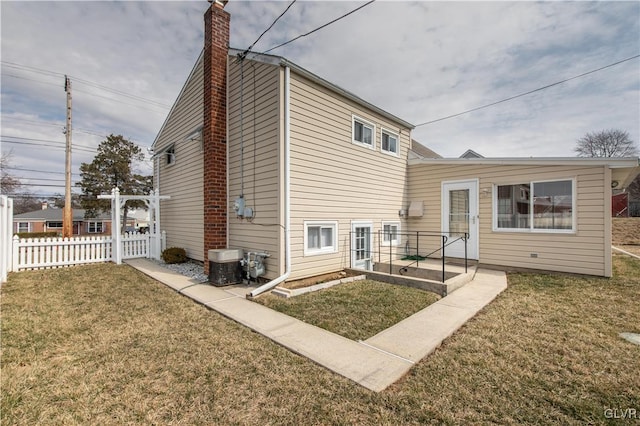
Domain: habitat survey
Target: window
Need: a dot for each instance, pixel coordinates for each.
(535, 206)
(363, 132)
(23, 227)
(389, 142)
(390, 231)
(94, 227)
(171, 155)
(54, 225)
(320, 237)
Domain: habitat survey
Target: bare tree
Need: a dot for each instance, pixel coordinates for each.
(8, 184)
(606, 143)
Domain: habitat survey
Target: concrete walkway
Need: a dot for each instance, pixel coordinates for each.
(375, 363)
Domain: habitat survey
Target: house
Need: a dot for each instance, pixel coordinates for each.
(259, 154)
(50, 220)
(471, 154)
(535, 213)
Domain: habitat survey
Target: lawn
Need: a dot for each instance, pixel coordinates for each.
(356, 310)
(104, 344)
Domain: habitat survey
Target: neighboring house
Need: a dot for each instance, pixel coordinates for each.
(471, 154)
(260, 154)
(50, 220)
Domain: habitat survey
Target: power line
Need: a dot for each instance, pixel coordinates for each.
(95, 94)
(244, 54)
(44, 142)
(320, 27)
(528, 93)
(35, 178)
(83, 81)
(36, 171)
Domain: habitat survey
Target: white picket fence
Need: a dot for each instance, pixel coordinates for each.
(44, 253)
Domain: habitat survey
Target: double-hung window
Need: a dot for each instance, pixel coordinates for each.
(543, 206)
(94, 227)
(320, 237)
(171, 155)
(363, 132)
(389, 142)
(390, 232)
(23, 227)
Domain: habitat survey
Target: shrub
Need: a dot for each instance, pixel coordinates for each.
(51, 234)
(174, 255)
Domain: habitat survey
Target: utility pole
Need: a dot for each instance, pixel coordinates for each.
(67, 214)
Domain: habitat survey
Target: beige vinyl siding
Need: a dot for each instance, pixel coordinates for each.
(182, 215)
(261, 103)
(333, 179)
(584, 251)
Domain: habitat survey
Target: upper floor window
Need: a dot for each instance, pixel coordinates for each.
(389, 142)
(171, 154)
(535, 206)
(363, 132)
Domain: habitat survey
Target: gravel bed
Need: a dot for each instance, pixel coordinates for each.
(189, 269)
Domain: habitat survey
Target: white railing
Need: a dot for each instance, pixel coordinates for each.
(42, 253)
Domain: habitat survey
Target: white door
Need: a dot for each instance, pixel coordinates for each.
(460, 216)
(361, 245)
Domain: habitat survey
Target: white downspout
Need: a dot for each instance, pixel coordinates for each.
(287, 188)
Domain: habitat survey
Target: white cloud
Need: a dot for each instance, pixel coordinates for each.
(418, 60)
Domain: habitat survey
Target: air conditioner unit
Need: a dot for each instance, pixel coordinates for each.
(224, 267)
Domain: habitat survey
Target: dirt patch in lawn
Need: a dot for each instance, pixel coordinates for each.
(318, 279)
(625, 231)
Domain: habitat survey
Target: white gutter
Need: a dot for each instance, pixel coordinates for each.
(287, 188)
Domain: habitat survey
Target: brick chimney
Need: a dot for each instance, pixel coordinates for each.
(214, 131)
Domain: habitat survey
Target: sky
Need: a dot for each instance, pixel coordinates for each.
(419, 60)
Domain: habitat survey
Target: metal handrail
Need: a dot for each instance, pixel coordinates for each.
(446, 240)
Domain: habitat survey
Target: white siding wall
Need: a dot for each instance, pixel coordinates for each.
(182, 215)
(258, 160)
(586, 252)
(333, 179)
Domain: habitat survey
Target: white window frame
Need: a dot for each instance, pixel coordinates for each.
(21, 223)
(365, 123)
(95, 223)
(49, 226)
(170, 155)
(322, 224)
(396, 240)
(394, 135)
(531, 229)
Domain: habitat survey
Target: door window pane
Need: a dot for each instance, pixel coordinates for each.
(458, 212)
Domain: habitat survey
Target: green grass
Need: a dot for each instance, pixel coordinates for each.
(356, 310)
(104, 344)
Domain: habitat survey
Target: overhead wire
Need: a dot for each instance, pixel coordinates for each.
(320, 27)
(15, 65)
(529, 92)
(244, 54)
